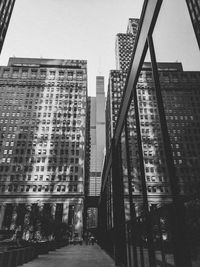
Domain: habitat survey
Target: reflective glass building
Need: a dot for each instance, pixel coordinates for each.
(151, 172)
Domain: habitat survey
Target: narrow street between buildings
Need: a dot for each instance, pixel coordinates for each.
(74, 256)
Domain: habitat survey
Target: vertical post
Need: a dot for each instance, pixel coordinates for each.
(78, 219)
(132, 206)
(53, 210)
(14, 217)
(26, 231)
(65, 212)
(181, 252)
(118, 208)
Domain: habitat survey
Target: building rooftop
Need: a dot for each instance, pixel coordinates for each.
(40, 62)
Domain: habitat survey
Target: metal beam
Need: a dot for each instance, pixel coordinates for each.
(147, 22)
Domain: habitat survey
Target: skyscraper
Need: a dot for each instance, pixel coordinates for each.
(124, 45)
(96, 117)
(42, 120)
(6, 8)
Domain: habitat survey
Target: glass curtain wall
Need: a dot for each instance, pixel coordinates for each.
(178, 68)
(154, 187)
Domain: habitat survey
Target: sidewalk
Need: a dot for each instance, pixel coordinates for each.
(74, 256)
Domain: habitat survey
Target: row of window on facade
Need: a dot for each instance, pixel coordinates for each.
(72, 110)
(43, 143)
(29, 104)
(31, 91)
(60, 129)
(35, 73)
(40, 188)
(49, 160)
(67, 97)
(52, 167)
(44, 121)
(159, 189)
(39, 177)
(163, 190)
(42, 86)
(16, 91)
(56, 114)
(34, 137)
(32, 99)
(173, 76)
(59, 116)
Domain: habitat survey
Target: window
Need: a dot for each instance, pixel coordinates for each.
(46, 188)
(24, 73)
(79, 75)
(34, 188)
(27, 188)
(6, 73)
(70, 75)
(61, 74)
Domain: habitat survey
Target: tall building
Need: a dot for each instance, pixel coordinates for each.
(124, 45)
(96, 111)
(97, 150)
(194, 10)
(42, 122)
(6, 8)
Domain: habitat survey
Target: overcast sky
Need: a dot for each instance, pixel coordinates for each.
(86, 29)
(69, 29)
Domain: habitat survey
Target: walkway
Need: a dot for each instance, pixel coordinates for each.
(74, 256)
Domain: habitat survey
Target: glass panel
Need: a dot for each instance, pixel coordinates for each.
(140, 232)
(178, 61)
(147, 240)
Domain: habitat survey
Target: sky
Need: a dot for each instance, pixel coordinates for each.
(86, 29)
(70, 29)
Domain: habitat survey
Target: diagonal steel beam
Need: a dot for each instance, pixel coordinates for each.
(147, 22)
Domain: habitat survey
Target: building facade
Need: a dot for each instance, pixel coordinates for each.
(43, 121)
(6, 8)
